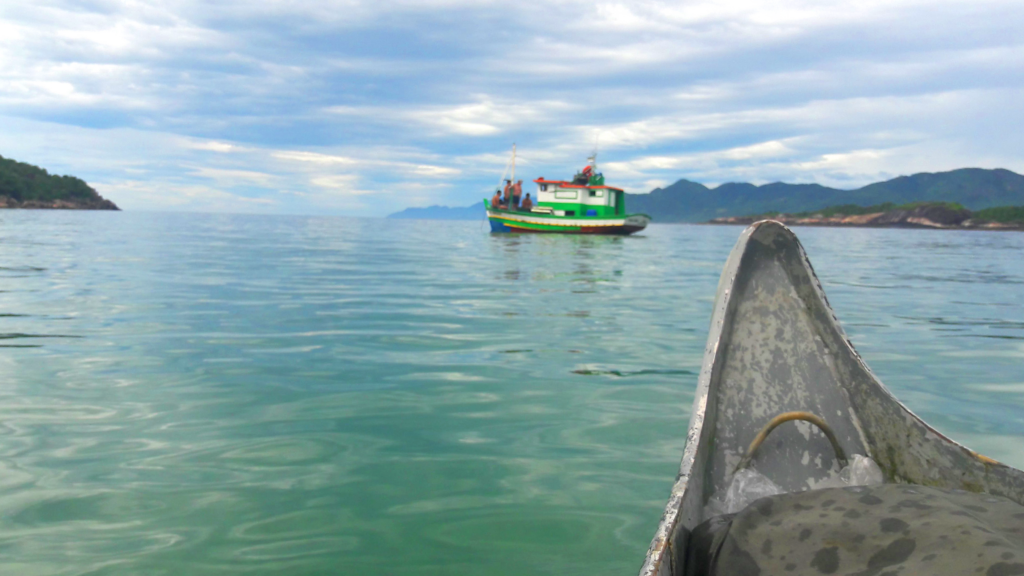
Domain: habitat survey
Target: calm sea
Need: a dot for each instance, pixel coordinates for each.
(208, 394)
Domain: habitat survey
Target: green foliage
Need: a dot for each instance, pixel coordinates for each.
(850, 210)
(1001, 214)
(947, 205)
(23, 182)
(854, 210)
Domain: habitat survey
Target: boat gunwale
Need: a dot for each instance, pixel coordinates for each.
(583, 219)
(569, 184)
(570, 221)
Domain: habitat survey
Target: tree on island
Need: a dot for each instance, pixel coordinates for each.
(26, 186)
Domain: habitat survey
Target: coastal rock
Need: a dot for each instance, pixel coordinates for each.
(939, 216)
(929, 216)
(986, 225)
(73, 204)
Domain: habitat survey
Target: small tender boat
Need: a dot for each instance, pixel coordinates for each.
(584, 205)
(775, 346)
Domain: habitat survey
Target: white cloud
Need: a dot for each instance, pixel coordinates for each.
(314, 157)
(305, 102)
(214, 146)
(149, 195)
(234, 176)
(368, 161)
(481, 116)
(342, 185)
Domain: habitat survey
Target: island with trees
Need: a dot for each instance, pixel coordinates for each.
(939, 215)
(26, 186)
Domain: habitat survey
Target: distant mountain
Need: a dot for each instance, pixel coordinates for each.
(26, 186)
(474, 212)
(686, 201)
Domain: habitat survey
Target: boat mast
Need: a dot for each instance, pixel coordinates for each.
(511, 163)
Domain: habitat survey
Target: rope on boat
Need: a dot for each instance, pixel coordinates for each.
(786, 417)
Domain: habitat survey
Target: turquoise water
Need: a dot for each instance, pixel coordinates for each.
(206, 394)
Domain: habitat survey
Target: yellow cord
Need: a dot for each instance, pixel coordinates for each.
(786, 417)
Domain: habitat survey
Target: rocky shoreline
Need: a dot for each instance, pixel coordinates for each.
(929, 217)
(74, 204)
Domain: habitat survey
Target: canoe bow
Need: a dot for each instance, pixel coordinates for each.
(775, 345)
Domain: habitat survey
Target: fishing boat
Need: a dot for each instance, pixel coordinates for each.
(584, 205)
(776, 352)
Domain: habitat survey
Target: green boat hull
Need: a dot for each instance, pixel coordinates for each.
(532, 222)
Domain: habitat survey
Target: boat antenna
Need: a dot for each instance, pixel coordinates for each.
(592, 159)
(512, 163)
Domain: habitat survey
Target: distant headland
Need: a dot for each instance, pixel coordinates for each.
(474, 212)
(26, 186)
(938, 215)
(974, 189)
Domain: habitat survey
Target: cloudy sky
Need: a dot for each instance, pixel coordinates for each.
(366, 107)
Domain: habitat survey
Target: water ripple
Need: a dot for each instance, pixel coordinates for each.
(257, 395)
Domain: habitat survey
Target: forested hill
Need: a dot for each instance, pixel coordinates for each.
(685, 201)
(26, 186)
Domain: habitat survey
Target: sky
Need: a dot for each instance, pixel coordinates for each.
(363, 108)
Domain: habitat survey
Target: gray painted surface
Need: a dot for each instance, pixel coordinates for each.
(875, 531)
(775, 345)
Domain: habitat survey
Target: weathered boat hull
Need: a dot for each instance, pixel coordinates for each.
(775, 346)
(529, 222)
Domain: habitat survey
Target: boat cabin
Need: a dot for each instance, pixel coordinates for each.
(562, 198)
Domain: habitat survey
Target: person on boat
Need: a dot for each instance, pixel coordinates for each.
(584, 176)
(508, 192)
(527, 203)
(517, 193)
(496, 200)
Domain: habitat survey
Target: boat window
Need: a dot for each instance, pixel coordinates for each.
(570, 212)
(543, 187)
(566, 194)
(597, 193)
